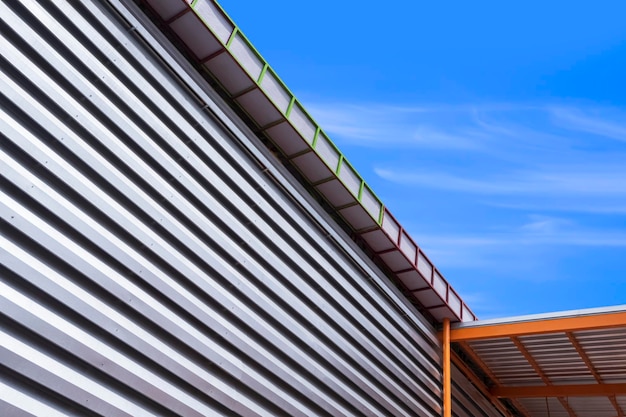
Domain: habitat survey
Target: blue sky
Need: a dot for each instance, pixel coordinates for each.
(494, 131)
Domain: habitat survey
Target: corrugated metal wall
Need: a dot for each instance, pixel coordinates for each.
(151, 265)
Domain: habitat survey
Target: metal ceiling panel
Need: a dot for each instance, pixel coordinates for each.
(607, 352)
(428, 298)
(286, 137)
(309, 164)
(412, 280)
(169, 9)
(441, 312)
(187, 26)
(357, 218)
(621, 400)
(229, 73)
(258, 106)
(336, 193)
(395, 260)
(592, 406)
(542, 407)
(377, 240)
(506, 362)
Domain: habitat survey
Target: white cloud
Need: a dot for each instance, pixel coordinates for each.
(486, 167)
(384, 126)
(523, 157)
(594, 121)
(540, 231)
(555, 180)
(522, 250)
(585, 206)
(515, 255)
(488, 127)
(540, 225)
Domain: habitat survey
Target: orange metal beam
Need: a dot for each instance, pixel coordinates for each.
(554, 325)
(567, 391)
(447, 394)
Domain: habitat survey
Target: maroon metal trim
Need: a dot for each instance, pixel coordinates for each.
(386, 251)
(365, 230)
(211, 56)
(438, 306)
(347, 205)
(325, 180)
(402, 271)
(293, 155)
(426, 289)
(178, 15)
(245, 91)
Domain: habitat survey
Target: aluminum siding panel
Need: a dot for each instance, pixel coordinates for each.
(151, 264)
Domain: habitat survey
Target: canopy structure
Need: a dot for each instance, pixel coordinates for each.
(570, 364)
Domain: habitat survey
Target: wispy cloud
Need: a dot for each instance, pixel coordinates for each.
(564, 231)
(379, 125)
(593, 121)
(515, 133)
(501, 190)
(467, 125)
(499, 150)
(539, 225)
(456, 243)
(528, 246)
(571, 180)
(592, 207)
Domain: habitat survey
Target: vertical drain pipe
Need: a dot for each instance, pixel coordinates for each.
(447, 394)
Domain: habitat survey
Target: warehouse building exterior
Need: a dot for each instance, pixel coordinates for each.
(180, 238)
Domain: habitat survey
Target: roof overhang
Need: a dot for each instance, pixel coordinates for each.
(218, 47)
(571, 363)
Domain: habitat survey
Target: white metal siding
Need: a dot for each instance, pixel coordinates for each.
(151, 265)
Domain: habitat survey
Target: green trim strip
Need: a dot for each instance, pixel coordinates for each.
(290, 106)
(262, 74)
(315, 137)
(231, 38)
(360, 196)
(193, 3)
(339, 164)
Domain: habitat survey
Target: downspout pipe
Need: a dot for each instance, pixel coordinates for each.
(447, 393)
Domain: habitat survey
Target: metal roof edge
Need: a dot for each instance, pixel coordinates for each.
(543, 316)
(221, 48)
